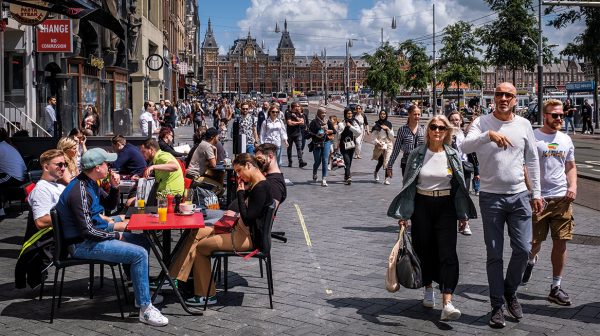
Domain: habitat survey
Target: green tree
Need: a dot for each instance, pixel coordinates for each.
(507, 38)
(586, 45)
(458, 63)
(384, 74)
(418, 75)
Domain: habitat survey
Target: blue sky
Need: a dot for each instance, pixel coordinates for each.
(318, 24)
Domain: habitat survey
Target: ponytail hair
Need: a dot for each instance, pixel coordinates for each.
(256, 161)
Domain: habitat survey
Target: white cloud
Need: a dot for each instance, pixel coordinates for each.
(318, 24)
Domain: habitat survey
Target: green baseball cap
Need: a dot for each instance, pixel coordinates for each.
(95, 156)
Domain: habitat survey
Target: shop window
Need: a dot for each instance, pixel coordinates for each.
(14, 73)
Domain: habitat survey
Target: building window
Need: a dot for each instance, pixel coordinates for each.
(14, 74)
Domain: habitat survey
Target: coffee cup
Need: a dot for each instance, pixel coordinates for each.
(187, 208)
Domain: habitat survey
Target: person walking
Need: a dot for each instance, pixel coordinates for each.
(434, 180)
(273, 131)
(383, 137)
(409, 136)
(322, 133)
(248, 127)
(295, 122)
(569, 111)
(455, 119)
(505, 145)
(586, 118)
(361, 118)
(559, 189)
(50, 115)
(349, 132)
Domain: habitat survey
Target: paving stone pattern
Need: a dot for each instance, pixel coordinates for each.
(335, 286)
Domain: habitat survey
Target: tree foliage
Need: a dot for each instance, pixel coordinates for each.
(384, 74)
(418, 75)
(587, 44)
(508, 38)
(458, 63)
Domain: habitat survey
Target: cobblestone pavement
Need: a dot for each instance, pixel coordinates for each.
(328, 278)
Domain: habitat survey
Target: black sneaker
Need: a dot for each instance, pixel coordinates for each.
(303, 164)
(514, 307)
(559, 296)
(528, 270)
(497, 318)
(314, 176)
(290, 164)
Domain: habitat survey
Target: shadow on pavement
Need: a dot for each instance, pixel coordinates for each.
(389, 228)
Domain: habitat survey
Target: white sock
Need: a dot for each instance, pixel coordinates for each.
(556, 281)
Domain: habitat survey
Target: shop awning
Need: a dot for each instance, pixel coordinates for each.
(80, 9)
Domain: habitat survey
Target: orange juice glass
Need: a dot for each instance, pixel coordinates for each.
(162, 211)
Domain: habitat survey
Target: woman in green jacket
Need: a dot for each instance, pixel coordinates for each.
(434, 180)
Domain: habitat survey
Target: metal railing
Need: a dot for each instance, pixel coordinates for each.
(17, 120)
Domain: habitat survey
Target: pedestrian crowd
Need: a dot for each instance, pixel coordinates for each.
(525, 181)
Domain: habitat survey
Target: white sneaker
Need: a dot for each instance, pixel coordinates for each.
(159, 299)
(376, 176)
(324, 183)
(466, 231)
(387, 181)
(428, 297)
(153, 317)
(449, 313)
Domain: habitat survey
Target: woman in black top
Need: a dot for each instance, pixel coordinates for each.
(165, 142)
(350, 131)
(254, 198)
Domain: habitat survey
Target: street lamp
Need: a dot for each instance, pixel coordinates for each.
(324, 54)
(348, 46)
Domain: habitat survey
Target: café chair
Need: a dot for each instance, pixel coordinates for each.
(263, 255)
(61, 260)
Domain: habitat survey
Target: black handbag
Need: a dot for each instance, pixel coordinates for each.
(408, 267)
(468, 167)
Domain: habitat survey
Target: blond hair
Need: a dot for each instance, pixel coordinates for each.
(449, 129)
(551, 103)
(64, 144)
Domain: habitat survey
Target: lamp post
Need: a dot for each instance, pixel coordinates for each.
(326, 75)
(348, 46)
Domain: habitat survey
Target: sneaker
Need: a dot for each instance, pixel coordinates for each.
(387, 181)
(303, 164)
(329, 167)
(324, 183)
(197, 301)
(476, 193)
(428, 297)
(528, 271)
(449, 313)
(467, 231)
(290, 164)
(497, 318)
(514, 307)
(376, 177)
(315, 177)
(348, 181)
(159, 299)
(559, 296)
(153, 317)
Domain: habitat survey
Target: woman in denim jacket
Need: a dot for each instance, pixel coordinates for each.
(434, 180)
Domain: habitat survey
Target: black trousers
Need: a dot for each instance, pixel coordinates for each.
(434, 240)
(347, 155)
(297, 140)
(587, 125)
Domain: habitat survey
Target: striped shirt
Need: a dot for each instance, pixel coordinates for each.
(406, 141)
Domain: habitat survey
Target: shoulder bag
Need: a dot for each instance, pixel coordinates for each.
(391, 279)
(408, 268)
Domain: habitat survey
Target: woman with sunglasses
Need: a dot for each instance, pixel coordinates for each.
(70, 147)
(434, 180)
(273, 131)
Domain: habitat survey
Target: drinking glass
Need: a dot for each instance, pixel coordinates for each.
(162, 211)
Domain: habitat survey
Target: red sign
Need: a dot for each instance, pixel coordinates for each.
(54, 36)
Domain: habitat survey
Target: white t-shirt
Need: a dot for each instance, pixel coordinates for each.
(436, 173)
(43, 197)
(554, 150)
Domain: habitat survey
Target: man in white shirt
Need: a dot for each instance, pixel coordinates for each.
(145, 117)
(559, 190)
(505, 146)
(47, 191)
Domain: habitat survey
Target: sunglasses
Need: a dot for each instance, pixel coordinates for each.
(274, 111)
(504, 94)
(557, 115)
(440, 128)
(61, 165)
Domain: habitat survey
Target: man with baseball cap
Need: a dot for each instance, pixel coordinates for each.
(89, 235)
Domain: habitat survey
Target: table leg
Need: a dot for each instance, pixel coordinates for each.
(165, 270)
(166, 246)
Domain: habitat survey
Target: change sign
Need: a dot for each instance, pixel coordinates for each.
(54, 36)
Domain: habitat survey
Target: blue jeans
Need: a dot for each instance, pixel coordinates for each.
(133, 249)
(515, 211)
(250, 148)
(321, 156)
(279, 156)
(569, 120)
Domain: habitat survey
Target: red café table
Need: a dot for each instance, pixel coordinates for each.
(148, 223)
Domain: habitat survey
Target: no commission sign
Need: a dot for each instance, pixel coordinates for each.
(54, 36)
